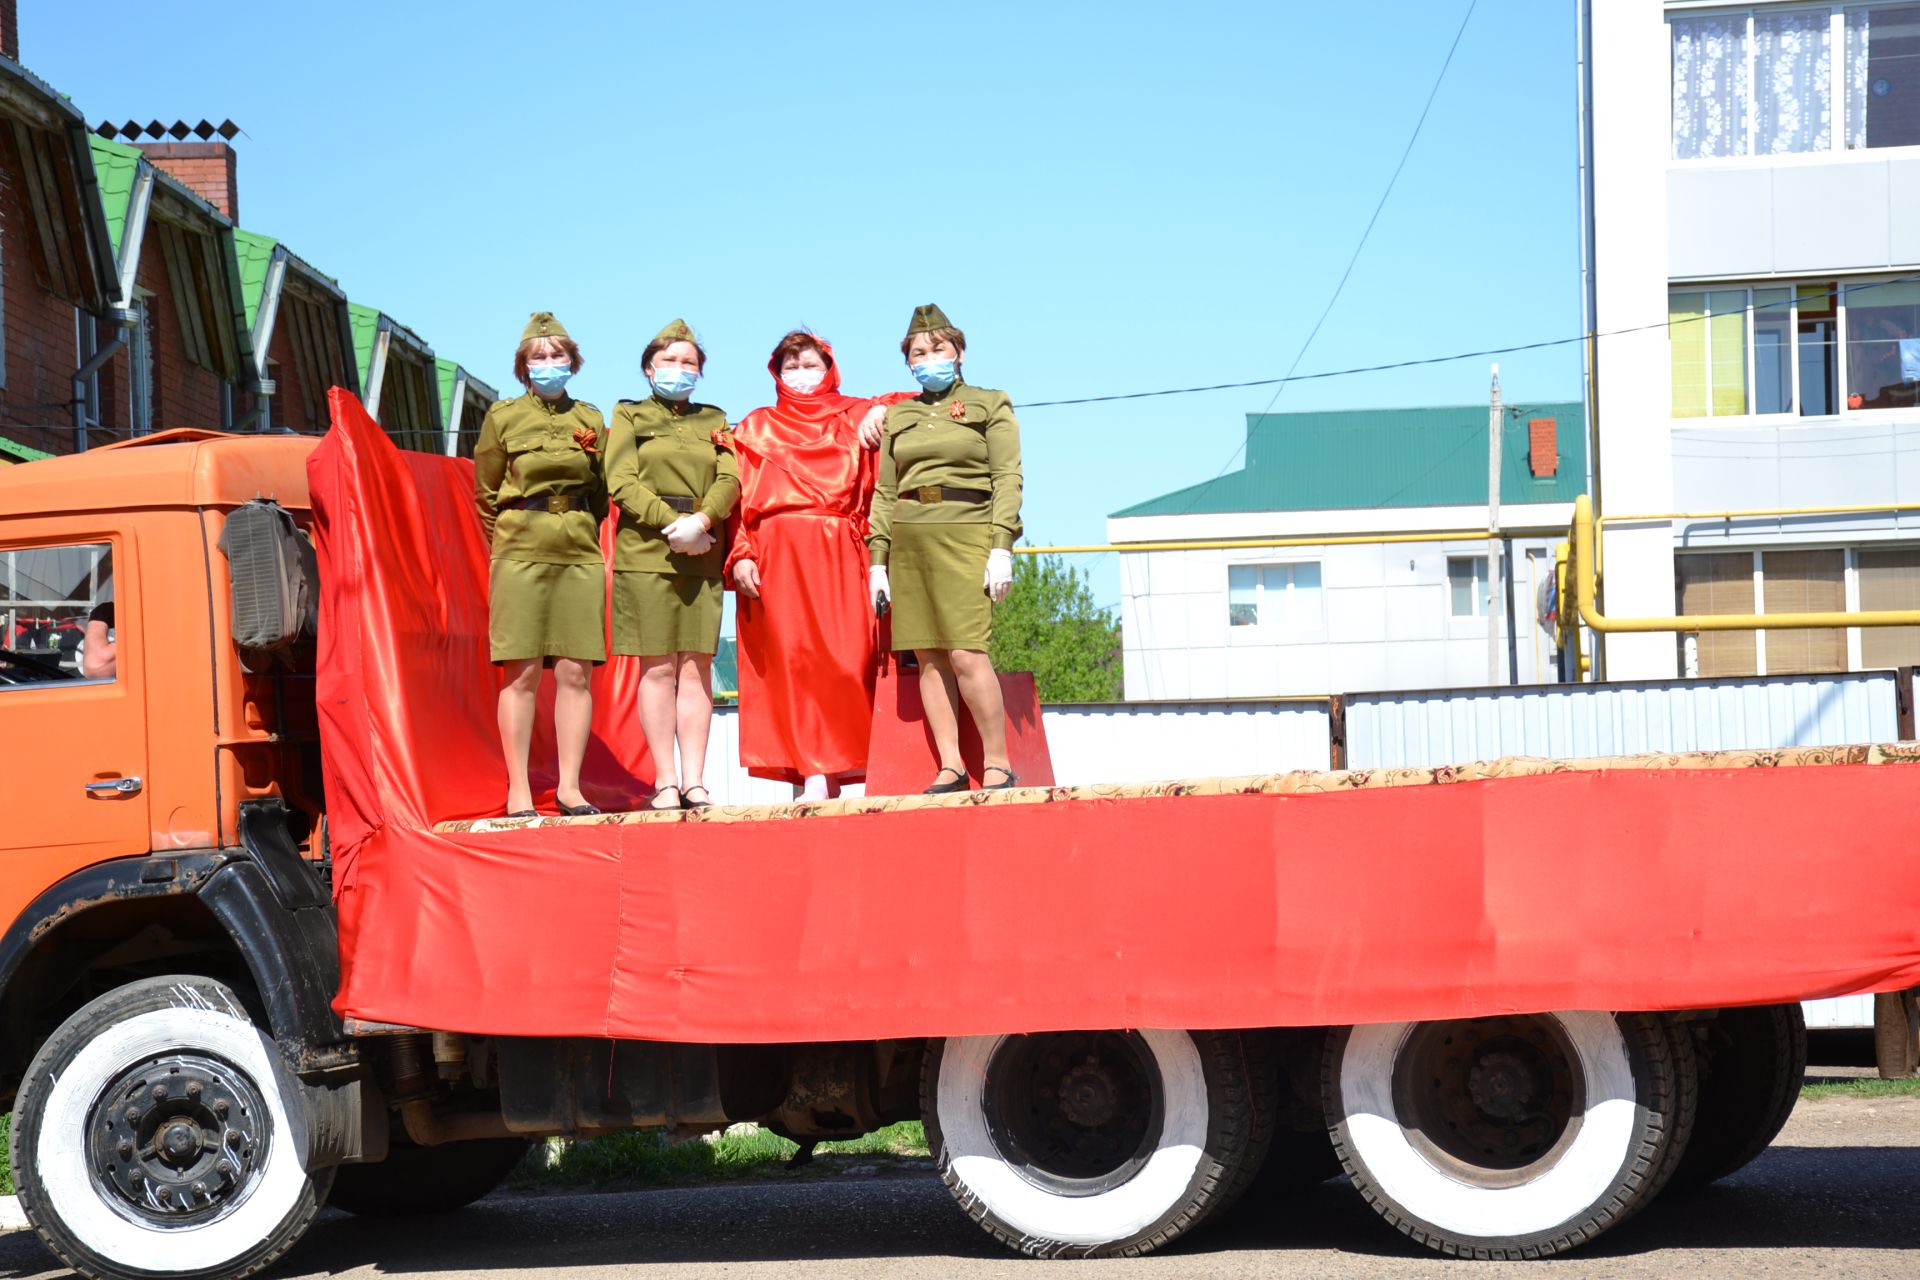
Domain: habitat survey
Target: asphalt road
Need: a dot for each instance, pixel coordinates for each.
(1834, 1197)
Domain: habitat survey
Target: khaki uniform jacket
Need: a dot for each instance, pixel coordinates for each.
(535, 448)
(965, 437)
(658, 449)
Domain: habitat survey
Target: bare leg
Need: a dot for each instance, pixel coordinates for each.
(656, 719)
(981, 688)
(694, 716)
(941, 700)
(572, 724)
(515, 713)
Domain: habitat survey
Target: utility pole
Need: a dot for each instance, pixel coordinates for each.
(1494, 635)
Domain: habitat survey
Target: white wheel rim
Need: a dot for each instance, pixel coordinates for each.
(60, 1154)
(1162, 1182)
(1570, 1188)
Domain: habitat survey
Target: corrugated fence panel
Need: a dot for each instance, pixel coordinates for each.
(1162, 741)
(1455, 726)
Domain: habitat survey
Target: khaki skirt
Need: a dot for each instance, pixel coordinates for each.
(547, 611)
(655, 614)
(936, 572)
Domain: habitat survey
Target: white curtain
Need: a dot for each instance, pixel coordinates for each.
(1793, 82)
(1856, 78)
(1709, 86)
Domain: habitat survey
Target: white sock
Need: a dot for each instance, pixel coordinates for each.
(852, 790)
(816, 788)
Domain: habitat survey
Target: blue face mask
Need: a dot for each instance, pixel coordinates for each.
(935, 375)
(549, 379)
(673, 384)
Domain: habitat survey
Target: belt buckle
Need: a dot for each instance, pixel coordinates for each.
(558, 504)
(929, 493)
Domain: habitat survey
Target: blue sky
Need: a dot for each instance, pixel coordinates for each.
(1108, 197)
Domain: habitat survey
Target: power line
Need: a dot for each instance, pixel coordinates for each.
(1791, 300)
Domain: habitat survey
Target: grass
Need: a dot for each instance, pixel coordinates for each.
(6, 1142)
(645, 1157)
(1864, 1088)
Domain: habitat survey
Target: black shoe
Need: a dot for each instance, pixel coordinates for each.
(578, 810)
(524, 813)
(1013, 779)
(688, 802)
(679, 801)
(940, 788)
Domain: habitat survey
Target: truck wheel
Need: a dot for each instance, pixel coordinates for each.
(151, 1138)
(1752, 1064)
(1507, 1137)
(416, 1180)
(1089, 1143)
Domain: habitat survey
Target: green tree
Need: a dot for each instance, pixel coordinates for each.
(1049, 625)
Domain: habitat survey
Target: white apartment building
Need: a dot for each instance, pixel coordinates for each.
(1754, 196)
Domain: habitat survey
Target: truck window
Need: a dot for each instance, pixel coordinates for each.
(56, 614)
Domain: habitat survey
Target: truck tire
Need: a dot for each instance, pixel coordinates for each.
(152, 1138)
(1507, 1137)
(1090, 1143)
(1753, 1062)
(419, 1180)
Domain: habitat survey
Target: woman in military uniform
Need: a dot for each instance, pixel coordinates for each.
(946, 513)
(538, 483)
(671, 473)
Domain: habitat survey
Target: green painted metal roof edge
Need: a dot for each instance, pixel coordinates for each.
(114, 166)
(449, 375)
(366, 326)
(1272, 470)
(24, 452)
(254, 253)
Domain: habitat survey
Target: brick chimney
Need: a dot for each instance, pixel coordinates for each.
(10, 29)
(205, 168)
(1543, 447)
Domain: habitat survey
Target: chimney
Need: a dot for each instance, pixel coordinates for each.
(205, 168)
(1543, 448)
(10, 29)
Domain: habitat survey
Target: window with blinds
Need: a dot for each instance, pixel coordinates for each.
(1805, 582)
(1719, 582)
(1889, 580)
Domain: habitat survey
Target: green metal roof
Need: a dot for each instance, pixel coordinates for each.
(255, 256)
(1350, 459)
(114, 167)
(14, 451)
(366, 326)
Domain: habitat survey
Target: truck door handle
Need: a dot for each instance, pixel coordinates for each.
(118, 787)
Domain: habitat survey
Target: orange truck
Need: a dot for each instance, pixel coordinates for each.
(185, 1097)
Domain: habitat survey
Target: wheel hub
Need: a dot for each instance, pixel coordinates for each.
(1076, 1113)
(178, 1139)
(1494, 1100)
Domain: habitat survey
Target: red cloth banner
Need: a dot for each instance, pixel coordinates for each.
(1642, 888)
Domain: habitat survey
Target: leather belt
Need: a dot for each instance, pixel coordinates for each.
(685, 506)
(944, 493)
(553, 503)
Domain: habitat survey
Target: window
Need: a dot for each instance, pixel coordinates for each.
(1274, 595)
(1776, 349)
(1764, 81)
(1796, 581)
(1883, 346)
(48, 595)
(1889, 580)
(1467, 586)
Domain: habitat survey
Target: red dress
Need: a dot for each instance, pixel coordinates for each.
(807, 646)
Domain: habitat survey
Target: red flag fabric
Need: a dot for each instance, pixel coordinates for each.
(806, 646)
(1309, 900)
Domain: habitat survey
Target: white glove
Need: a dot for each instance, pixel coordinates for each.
(877, 589)
(689, 536)
(999, 579)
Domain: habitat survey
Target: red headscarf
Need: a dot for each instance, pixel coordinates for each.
(813, 438)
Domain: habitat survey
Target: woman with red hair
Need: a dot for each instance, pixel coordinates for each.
(799, 564)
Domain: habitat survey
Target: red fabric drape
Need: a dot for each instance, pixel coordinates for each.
(1622, 889)
(807, 652)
